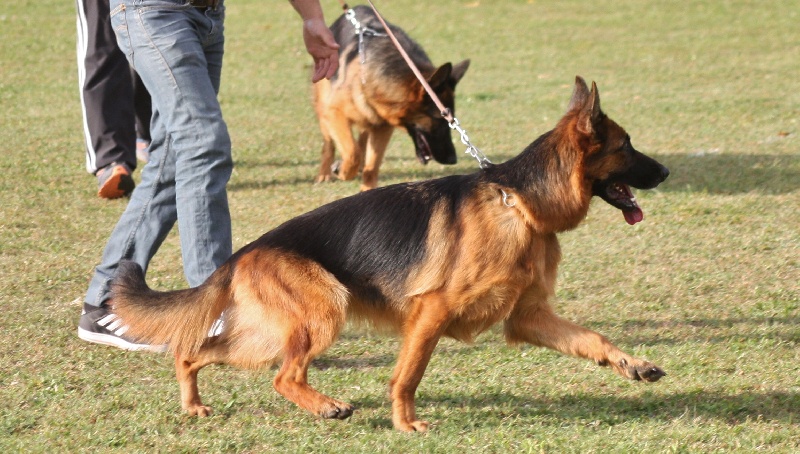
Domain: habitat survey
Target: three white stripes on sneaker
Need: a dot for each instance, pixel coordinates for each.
(113, 323)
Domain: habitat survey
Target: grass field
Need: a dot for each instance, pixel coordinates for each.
(708, 286)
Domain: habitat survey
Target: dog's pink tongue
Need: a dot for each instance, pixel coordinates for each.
(633, 216)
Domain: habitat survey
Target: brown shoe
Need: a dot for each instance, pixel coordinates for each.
(114, 181)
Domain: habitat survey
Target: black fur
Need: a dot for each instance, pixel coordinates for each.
(373, 236)
(379, 49)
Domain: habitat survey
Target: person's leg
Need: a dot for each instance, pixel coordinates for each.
(191, 162)
(147, 220)
(181, 65)
(106, 90)
(204, 163)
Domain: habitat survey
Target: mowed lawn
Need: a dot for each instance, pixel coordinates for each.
(707, 287)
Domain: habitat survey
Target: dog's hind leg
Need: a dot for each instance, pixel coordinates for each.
(421, 332)
(375, 149)
(534, 322)
(215, 350)
(292, 378)
(307, 305)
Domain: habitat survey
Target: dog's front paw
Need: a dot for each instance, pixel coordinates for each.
(649, 373)
(640, 370)
(337, 410)
(201, 411)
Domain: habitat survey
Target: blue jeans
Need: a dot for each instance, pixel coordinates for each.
(177, 50)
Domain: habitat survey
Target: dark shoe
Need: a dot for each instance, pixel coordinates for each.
(114, 181)
(100, 326)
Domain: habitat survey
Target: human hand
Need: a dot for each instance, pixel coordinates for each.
(323, 48)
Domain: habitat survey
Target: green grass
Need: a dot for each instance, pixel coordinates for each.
(708, 286)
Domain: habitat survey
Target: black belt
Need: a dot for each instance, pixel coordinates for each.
(205, 3)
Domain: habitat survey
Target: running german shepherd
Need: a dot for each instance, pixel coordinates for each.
(444, 257)
(376, 92)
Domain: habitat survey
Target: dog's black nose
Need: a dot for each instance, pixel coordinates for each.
(664, 173)
(449, 159)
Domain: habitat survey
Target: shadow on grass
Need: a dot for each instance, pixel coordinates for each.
(631, 332)
(275, 161)
(360, 362)
(250, 184)
(732, 173)
(671, 332)
(709, 173)
(414, 172)
(493, 408)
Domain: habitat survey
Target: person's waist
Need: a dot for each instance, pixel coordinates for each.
(213, 4)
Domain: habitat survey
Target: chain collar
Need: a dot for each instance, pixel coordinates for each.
(361, 31)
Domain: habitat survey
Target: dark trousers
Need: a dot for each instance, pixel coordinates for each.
(116, 107)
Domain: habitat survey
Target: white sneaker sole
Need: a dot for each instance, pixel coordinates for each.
(114, 341)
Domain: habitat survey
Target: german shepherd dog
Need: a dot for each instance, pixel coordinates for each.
(375, 92)
(444, 257)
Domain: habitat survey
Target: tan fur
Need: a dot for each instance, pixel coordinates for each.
(494, 261)
(361, 107)
(373, 108)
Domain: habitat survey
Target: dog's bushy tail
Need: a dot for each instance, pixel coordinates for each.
(180, 319)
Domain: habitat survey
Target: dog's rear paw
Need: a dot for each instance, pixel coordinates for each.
(201, 411)
(337, 410)
(323, 178)
(412, 426)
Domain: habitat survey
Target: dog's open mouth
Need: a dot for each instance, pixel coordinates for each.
(620, 196)
(424, 153)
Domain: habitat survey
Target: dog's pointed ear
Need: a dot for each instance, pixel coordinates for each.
(579, 94)
(590, 112)
(439, 77)
(594, 96)
(458, 71)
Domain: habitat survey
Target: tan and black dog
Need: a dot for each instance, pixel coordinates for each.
(379, 95)
(444, 257)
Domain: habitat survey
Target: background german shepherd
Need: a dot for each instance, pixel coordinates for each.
(378, 96)
(444, 257)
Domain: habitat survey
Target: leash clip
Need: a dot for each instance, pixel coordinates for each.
(505, 199)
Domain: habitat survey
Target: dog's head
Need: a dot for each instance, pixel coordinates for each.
(612, 166)
(426, 126)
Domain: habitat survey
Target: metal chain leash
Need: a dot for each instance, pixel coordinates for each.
(472, 150)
